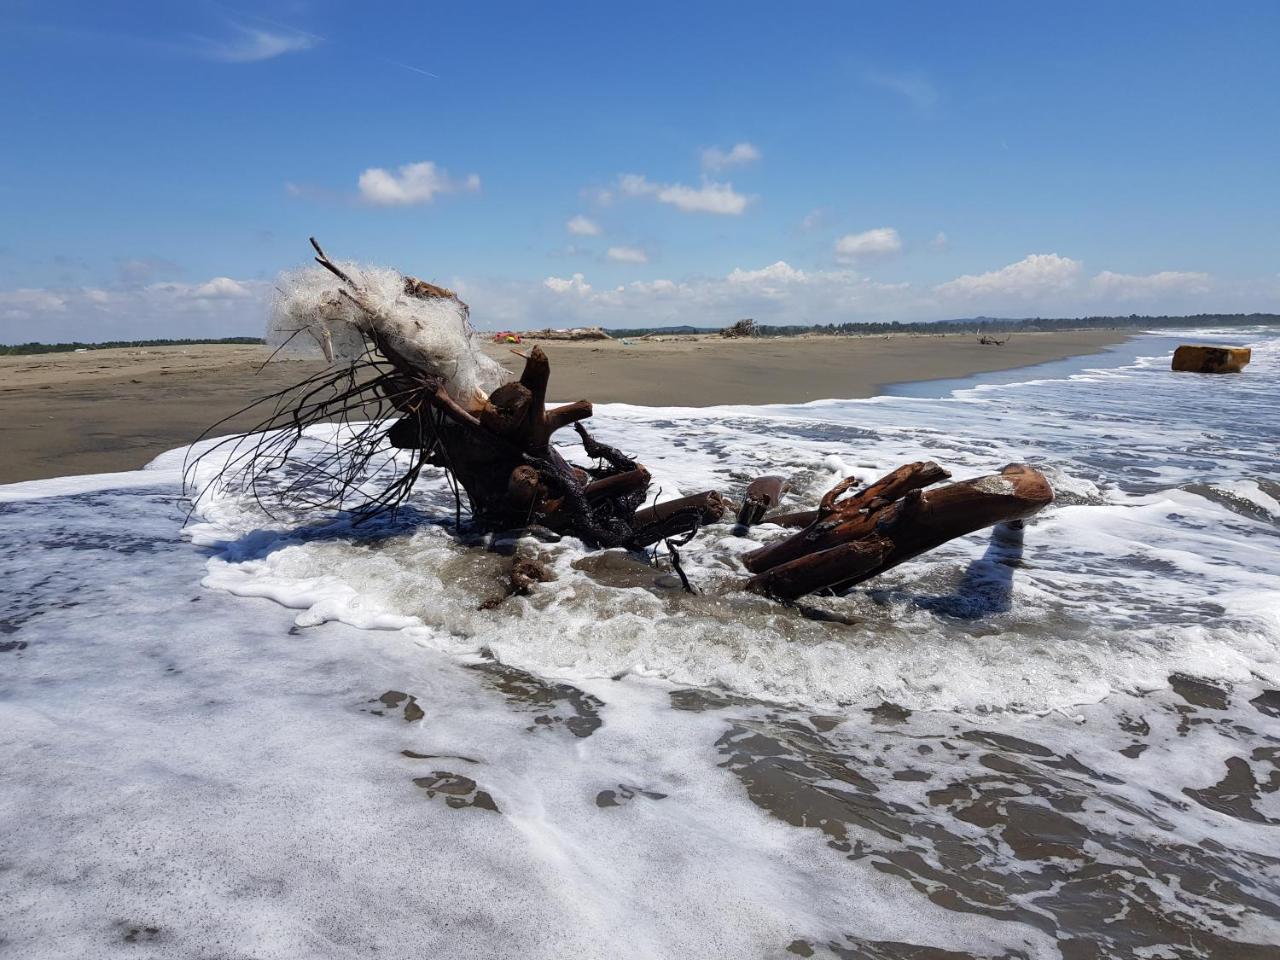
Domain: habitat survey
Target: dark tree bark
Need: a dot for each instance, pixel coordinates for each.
(890, 522)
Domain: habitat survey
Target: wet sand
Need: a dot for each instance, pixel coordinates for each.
(109, 410)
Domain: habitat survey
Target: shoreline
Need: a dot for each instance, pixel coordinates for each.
(111, 410)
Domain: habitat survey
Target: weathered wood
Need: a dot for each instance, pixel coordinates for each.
(837, 521)
(1198, 358)
(908, 477)
(762, 495)
(890, 533)
(815, 571)
(674, 517)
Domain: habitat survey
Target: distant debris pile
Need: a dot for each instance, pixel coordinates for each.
(568, 333)
(743, 328)
(1195, 358)
(989, 341)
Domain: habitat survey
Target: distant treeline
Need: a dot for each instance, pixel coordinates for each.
(22, 348)
(986, 325)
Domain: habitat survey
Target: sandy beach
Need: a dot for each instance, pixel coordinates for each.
(108, 410)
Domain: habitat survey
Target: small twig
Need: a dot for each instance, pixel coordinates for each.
(324, 261)
(675, 565)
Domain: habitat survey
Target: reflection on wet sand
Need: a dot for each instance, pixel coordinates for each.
(986, 822)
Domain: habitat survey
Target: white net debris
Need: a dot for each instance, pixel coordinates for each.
(433, 335)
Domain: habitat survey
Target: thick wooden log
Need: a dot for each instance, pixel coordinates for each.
(900, 530)
(797, 519)
(565, 415)
(674, 517)
(507, 410)
(1198, 358)
(838, 521)
(816, 570)
(617, 484)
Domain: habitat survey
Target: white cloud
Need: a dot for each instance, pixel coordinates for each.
(1029, 278)
(580, 226)
(776, 293)
(218, 307)
(1127, 286)
(880, 242)
(780, 272)
(575, 284)
(711, 197)
(781, 293)
(715, 159)
(252, 44)
(940, 241)
(220, 288)
(628, 255)
(411, 184)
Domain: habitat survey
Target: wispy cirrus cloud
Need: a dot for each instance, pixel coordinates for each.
(915, 88)
(250, 44)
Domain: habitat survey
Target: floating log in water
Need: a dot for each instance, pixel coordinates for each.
(1196, 358)
(890, 522)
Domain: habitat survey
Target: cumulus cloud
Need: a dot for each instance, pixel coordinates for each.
(880, 242)
(627, 255)
(940, 241)
(252, 44)
(715, 159)
(711, 197)
(218, 307)
(581, 226)
(775, 273)
(413, 183)
(775, 293)
(1031, 277)
(1128, 286)
(576, 284)
(222, 288)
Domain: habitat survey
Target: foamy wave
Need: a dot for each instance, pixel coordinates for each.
(1134, 573)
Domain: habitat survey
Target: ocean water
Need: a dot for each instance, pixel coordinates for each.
(238, 736)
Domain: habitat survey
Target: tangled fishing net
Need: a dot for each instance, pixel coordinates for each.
(426, 326)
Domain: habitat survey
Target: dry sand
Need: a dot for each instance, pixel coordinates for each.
(108, 410)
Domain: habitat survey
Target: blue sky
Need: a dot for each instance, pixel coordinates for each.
(628, 164)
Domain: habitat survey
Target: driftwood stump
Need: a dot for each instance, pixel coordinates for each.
(845, 542)
(497, 451)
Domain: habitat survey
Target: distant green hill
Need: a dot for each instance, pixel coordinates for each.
(24, 348)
